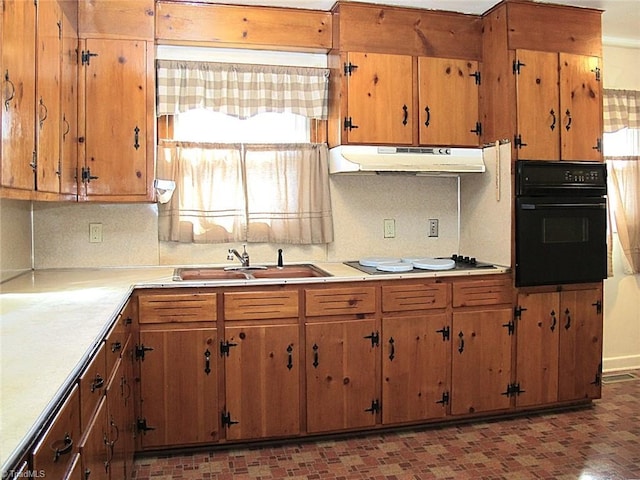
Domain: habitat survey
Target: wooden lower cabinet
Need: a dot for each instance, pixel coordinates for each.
(416, 366)
(341, 374)
(262, 381)
(559, 346)
(481, 360)
(96, 447)
(178, 385)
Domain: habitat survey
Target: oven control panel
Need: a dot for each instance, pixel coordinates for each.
(534, 177)
(582, 176)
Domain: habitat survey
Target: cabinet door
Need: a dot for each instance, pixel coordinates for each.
(481, 361)
(69, 99)
(537, 337)
(115, 118)
(538, 105)
(48, 96)
(581, 107)
(580, 344)
(18, 94)
(416, 361)
(448, 99)
(95, 446)
(340, 372)
(379, 98)
(179, 386)
(262, 381)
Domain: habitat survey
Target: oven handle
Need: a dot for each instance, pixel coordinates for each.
(542, 206)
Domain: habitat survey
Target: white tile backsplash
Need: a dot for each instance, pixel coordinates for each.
(15, 237)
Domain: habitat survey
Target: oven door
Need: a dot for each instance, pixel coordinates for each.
(560, 240)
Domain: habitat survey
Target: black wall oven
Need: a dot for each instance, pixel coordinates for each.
(560, 222)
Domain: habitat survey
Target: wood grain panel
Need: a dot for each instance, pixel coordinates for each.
(399, 298)
(92, 386)
(340, 301)
(177, 308)
(481, 292)
(260, 305)
(238, 26)
(554, 28)
(116, 19)
(384, 29)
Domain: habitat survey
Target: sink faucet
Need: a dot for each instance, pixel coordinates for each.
(244, 258)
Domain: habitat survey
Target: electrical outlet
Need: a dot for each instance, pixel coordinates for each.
(95, 233)
(433, 227)
(389, 228)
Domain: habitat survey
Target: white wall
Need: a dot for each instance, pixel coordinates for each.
(621, 71)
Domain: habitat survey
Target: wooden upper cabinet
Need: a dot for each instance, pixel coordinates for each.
(48, 97)
(581, 107)
(559, 106)
(118, 142)
(18, 95)
(448, 102)
(69, 106)
(379, 95)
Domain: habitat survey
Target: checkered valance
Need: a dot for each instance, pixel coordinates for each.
(621, 108)
(241, 90)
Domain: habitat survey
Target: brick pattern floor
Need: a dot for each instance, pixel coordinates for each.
(602, 442)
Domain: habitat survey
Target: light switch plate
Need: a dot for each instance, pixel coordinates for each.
(95, 233)
(389, 228)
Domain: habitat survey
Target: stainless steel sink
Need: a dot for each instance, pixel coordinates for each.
(248, 273)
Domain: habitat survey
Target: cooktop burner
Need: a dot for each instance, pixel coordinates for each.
(460, 263)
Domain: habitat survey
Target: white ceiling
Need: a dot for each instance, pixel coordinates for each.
(620, 21)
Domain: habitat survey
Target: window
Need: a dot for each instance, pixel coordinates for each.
(237, 144)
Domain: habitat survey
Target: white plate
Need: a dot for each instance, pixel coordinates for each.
(375, 261)
(435, 264)
(395, 267)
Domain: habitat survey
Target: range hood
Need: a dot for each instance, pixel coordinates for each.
(417, 160)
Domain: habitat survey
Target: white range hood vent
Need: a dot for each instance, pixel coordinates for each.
(351, 159)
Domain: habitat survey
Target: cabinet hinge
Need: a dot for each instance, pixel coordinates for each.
(349, 68)
(478, 129)
(446, 333)
(477, 77)
(374, 337)
(141, 350)
(375, 407)
(86, 175)
(225, 347)
(348, 124)
(596, 71)
(517, 64)
(598, 305)
(597, 381)
(517, 312)
(510, 327)
(445, 399)
(513, 389)
(86, 57)
(225, 418)
(598, 145)
(141, 425)
(517, 140)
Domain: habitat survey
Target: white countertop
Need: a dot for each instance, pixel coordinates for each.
(52, 320)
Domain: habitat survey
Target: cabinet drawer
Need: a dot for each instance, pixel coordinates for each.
(482, 292)
(57, 448)
(399, 298)
(117, 338)
(92, 385)
(340, 301)
(260, 305)
(177, 308)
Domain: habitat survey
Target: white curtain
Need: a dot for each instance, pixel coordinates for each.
(622, 110)
(254, 193)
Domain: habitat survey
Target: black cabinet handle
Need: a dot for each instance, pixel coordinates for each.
(13, 91)
(553, 123)
(406, 115)
(567, 326)
(392, 353)
(67, 446)
(554, 320)
(461, 342)
(568, 113)
(428, 119)
(315, 356)
(98, 382)
(290, 357)
(207, 362)
(44, 112)
(136, 138)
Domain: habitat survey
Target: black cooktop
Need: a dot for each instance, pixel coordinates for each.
(461, 263)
